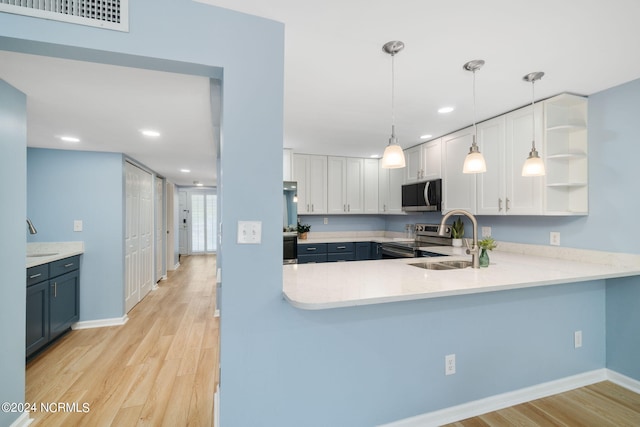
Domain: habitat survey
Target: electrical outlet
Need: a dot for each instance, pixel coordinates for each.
(486, 231)
(77, 225)
(554, 238)
(577, 339)
(326, 221)
(450, 364)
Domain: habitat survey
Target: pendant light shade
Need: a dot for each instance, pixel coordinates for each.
(474, 162)
(533, 166)
(393, 157)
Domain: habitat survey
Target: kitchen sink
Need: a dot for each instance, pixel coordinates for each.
(41, 254)
(443, 265)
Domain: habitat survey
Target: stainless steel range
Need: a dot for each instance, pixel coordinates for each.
(426, 235)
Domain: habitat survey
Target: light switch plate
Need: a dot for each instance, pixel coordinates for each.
(77, 225)
(249, 232)
(486, 231)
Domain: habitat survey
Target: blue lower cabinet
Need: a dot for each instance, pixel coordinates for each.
(64, 302)
(363, 251)
(312, 253)
(53, 301)
(331, 252)
(341, 251)
(37, 326)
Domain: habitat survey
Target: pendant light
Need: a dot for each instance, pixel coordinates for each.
(474, 162)
(393, 157)
(533, 166)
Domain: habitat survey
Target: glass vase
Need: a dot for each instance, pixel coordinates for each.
(484, 258)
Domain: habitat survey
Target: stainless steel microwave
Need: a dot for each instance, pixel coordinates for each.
(422, 196)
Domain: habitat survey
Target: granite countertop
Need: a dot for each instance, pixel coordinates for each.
(45, 252)
(345, 284)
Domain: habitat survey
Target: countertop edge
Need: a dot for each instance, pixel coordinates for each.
(303, 305)
(63, 250)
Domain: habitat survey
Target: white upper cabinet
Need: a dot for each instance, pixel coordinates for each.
(566, 156)
(458, 189)
(371, 186)
(310, 172)
(505, 142)
(561, 140)
(523, 194)
(423, 161)
(390, 190)
(345, 185)
(287, 164)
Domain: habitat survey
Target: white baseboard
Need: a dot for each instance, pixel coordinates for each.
(100, 323)
(623, 381)
(22, 421)
(216, 407)
(505, 400)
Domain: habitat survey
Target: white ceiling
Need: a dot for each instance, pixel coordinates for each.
(338, 80)
(106, 106)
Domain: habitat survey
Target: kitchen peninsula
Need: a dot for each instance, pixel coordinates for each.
(514, 266)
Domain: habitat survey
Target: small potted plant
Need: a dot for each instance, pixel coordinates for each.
(486, 244)
(303, 229)
(457, 232)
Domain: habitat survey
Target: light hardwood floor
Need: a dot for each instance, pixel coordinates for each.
(599, 405)
(159, 369)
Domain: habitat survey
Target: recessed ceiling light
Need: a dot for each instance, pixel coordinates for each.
(70, 139)
(427, 136)
(445, 110)
(150, 133)
(185, 170)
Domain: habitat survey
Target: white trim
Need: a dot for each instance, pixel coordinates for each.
(501, 401)
(623, 381)
(216, 313)
(216, 407)
(22, 421)
(100, 323)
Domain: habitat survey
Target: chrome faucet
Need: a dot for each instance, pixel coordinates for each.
(474, 250)
(32, 229)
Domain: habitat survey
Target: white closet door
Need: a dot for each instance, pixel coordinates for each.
(138, 235)
(159, 228)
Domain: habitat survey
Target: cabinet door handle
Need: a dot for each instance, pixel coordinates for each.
(344, 208)
(35, 275)
(68, 265)
(348, 208)
(311, 249)
(499, 205)
(307, 207)
(312, 209)
(508, 207)
(55, 289)
(341, 247)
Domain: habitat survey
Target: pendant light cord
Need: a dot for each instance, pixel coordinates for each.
(475, 128)
(393, 105)
(533, 115)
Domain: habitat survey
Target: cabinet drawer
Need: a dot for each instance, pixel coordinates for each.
(303, 259)
(65, 265)
(37, 274)
(343, 256)
(340, 247)
(308, 249)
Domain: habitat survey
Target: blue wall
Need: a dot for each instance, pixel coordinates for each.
(65, 185)
(13, 185)
(204, 39)
(356, 366)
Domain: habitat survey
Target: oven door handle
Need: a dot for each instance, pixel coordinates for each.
(397, 253)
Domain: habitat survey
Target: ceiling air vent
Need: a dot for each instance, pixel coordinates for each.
(111, 14)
